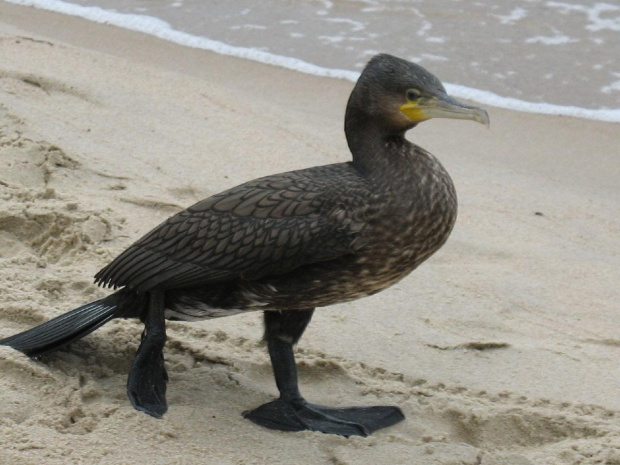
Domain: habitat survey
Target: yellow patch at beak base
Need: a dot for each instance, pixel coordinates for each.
(413, 111)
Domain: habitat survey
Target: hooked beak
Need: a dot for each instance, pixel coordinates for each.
(443, 106)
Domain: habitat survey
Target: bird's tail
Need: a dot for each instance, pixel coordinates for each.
(73, 325)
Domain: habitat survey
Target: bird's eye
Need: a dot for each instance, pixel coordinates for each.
(413, 94)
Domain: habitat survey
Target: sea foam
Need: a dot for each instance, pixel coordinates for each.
(161, 29)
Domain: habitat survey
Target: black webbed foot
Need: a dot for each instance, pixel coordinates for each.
(301, 416)
(291, 412)
(146, 385)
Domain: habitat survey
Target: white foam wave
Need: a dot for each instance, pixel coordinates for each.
(511, 18)
(555, 40)
(613, 87)
(355, 25)
(600, 15)
(158, 28)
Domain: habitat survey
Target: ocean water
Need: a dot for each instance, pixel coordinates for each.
(555, 57)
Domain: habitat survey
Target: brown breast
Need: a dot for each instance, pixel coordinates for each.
(412, 216)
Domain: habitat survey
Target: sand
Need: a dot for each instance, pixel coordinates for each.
(502, 349)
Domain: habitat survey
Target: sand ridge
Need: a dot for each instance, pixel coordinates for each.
(96, 149)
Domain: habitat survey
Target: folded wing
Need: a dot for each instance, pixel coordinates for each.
(268, 226)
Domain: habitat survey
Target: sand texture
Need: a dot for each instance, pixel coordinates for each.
(503, 349)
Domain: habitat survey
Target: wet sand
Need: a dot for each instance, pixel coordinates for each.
(501, 349)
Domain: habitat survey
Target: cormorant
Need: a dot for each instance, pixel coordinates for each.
(286, 244)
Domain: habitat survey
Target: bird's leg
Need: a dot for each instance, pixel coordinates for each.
(146, 385)
(291, 412)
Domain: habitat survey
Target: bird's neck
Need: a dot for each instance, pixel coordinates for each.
(373, 145)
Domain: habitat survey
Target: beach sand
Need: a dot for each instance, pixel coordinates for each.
(502, 349)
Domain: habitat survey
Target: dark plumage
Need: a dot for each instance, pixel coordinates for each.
(286, 244)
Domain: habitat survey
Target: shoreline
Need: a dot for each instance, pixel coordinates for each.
(157, 28)
(502, 345)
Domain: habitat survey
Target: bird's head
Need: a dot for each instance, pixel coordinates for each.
(402, 94)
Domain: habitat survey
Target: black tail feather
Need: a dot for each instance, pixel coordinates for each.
(64, 329)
